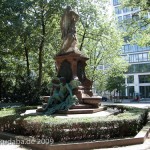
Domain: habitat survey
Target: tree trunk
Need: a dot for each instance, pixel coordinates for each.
(41, 46)
(27, 58)
(26, 55)
(40, 64)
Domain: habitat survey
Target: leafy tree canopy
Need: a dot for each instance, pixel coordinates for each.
(100, 40)
(30, 38)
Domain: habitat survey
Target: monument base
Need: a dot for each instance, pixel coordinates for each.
(86, 106)
(71, 66)
(81, 111)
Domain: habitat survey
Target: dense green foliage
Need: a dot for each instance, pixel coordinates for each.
(116, 79)
(126, 123)
(101, 41)
(28, 30)
(30, 38)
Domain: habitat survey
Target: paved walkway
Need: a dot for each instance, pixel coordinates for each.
(144, 146)
(128, 103)
(97, 114)
(13, 147)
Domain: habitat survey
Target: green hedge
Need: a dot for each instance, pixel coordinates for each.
(9, 116)
(63, 130)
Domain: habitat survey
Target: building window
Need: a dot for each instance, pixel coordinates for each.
(138, 57)
(137, 68)
(145, 91)
(145, 56)
(126, 17)
(117, 10)
(126, 48)
(116, 2)
(144, 78)
(130, 90)
(135, 9)
(133, 48)
(130, 79)
(126, 9)
(120, 18)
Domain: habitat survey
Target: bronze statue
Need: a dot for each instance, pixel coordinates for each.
(62, 97)
(60, 92)
(68, 29)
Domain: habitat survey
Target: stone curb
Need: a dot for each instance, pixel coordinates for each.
(138, 139)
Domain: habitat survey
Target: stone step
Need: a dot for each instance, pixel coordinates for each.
(94, 101)
(81, 111)
(81, 106)
(93, 97)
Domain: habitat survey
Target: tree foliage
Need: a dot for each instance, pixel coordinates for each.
(100, 40)
(115, 83)
(30, 38)
(116, 78)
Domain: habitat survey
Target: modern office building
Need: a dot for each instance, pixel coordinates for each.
(138, 75)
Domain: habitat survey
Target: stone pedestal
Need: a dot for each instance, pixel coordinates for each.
(71, 65)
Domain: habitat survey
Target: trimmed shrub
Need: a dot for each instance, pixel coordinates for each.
(66, 130)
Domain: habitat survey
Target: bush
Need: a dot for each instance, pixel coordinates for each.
(65, 130)
(25, 90)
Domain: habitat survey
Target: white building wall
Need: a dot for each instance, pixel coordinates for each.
(136, 83)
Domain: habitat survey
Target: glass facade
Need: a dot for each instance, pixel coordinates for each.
(138, 68)
(126, 17)
(145, 91)
(127, 48)
(130, 91)
(140, 57)
(126, 9)
(144, 78)
(120, 18)
(135, 9)
(116, 2)
(130, 79)
(118, 10)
